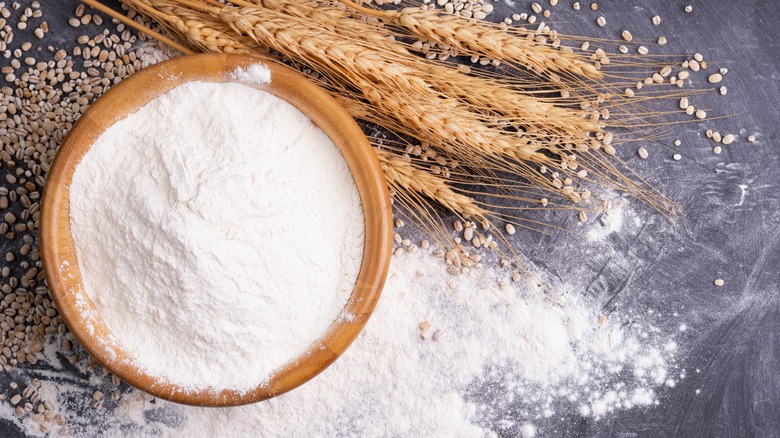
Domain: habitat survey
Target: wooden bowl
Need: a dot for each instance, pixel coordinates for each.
(59, 254)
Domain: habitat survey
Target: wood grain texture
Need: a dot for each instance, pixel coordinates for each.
(59, 255)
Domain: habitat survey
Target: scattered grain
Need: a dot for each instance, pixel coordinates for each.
(717, 150)
(642, 152)
(719, 282)
(688, 8)
(715, 78)
(677, 157)
(601, 21)
(656, 20)
(510, 229)
(728, 138)
(642, 50)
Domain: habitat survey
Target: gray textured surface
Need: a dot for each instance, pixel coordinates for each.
(732, 230)
(732, 204)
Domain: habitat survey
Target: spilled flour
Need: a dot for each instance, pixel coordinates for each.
(489, 361)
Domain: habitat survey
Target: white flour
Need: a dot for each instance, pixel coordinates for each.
(219, 233)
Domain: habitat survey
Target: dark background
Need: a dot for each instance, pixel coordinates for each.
(729, 232)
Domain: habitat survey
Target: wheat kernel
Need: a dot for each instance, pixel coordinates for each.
(717, 150)
(715, 78)
(601, 21)
(728, 139)
(719, 282)
(642, 152)
(656, 20)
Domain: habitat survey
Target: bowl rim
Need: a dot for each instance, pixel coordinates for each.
(58, 250)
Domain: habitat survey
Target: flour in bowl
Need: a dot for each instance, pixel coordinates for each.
(219, 233)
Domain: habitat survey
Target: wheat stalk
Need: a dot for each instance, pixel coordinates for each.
(477, 38)
(383, 79)
(401, 174)
(481, 93)
(462, 115)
